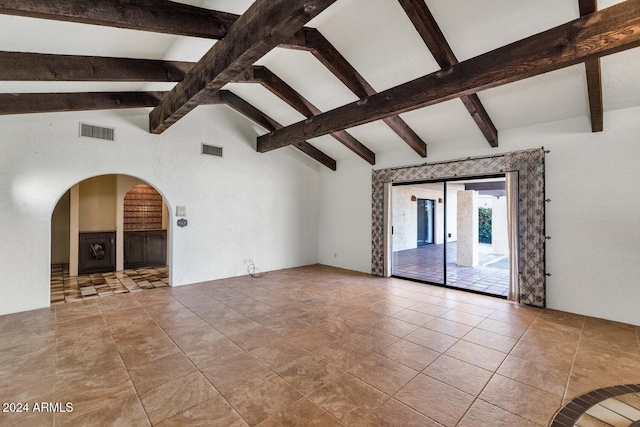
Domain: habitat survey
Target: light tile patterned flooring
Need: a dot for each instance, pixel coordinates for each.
(609, 406)
(90, 286)
(307, 346)
(426, 263)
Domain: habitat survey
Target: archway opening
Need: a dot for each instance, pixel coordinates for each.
(109, 235)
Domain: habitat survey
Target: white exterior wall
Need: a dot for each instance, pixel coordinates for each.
(499, 233)
(594, 252)
(245, 205)
(405, 215)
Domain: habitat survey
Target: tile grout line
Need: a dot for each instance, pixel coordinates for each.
(302, 302)
(459, 339)
(443, 354)
(201, 371)
(573, 361)
(305, 396)
(494, 373)
(190, 361)
(125, 365)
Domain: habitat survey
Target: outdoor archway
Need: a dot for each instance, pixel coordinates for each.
(88, 239)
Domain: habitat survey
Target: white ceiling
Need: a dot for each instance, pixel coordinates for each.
(381, 43)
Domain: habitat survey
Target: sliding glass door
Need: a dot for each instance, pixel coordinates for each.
(452, 232)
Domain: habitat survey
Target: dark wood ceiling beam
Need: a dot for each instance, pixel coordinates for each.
(262, 27)
(594, 77)
(24, 103)
(404, 131)
(481, 117)
(329, 56)
(587, 6)
(161, 16)
(604, 32)
(316, 154)
(264, 76)
(21, 66)
(248, 110)
(278, 87)
(594, 90)
(426, 25)
(251, 112)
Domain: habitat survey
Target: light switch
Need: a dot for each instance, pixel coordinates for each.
(181, 211)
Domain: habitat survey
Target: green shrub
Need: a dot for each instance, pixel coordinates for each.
(484, 225)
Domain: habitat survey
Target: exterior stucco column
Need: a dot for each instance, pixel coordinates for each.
(467, 228)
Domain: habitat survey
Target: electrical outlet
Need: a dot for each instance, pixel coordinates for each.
(247, 261)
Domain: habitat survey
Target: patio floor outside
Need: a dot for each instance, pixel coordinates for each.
(426, 263)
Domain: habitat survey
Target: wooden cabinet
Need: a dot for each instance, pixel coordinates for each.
(146, 248)
(97, 252)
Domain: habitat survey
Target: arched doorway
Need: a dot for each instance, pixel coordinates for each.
(90, 227)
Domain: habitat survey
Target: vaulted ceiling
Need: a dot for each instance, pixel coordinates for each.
(308, 72)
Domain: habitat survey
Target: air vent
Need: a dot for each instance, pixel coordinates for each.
(211, 150)
(92, 131)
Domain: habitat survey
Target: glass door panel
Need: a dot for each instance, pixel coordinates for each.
(477, 246)
(418, 232)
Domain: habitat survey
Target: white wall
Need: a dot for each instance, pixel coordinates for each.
(345, 216)
(452, 210)
(60, 231)
(245, 205)
(98, 203)
(594, 253)
(405, 215)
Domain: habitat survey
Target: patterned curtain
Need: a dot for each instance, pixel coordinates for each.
(512, 233)
(531, 238)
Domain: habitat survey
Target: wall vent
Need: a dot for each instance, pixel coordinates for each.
(92, 131)
(211, 150)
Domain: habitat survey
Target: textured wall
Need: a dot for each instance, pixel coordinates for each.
(245, 205)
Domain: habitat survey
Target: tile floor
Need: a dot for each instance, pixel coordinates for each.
(90, 286)
(306, 346)
(426, 263)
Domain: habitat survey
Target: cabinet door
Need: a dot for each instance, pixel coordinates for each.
(145, 248)
(156, 248)
(134, 249)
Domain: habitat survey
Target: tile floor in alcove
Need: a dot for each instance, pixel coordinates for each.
(307, 346)
(65, 288)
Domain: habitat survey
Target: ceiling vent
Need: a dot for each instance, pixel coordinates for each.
(211, 150)
(92, 131)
